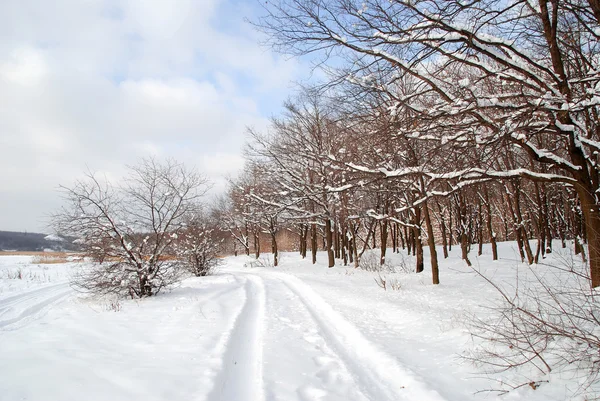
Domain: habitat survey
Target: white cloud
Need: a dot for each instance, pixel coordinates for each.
(25, 66)
(100, 84)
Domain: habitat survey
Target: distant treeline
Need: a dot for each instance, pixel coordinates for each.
(20, 241)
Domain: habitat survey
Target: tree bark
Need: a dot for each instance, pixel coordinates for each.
(256, 244)
(394, 237)
(490, 228)
(444, 232)
(435, 272)
(329, 243)
(591, 217)
(354, 246)
(479, 227)
(418, 243)
(336, 239)
(274, 248)
(313, 242)
(383, 231)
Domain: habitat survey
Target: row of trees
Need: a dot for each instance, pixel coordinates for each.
(441, 122)
(143, 233)
(304, 176)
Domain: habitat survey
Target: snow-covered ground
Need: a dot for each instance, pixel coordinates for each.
(249, 333)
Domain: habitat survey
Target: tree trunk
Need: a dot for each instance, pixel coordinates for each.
(400, 229)
(464, 246)
(329, 243)
(450, 232)
(374, 237)
(303, 240)
(383, 231)
(527, 246)
(444, 234)
(461, 219)
(313, 242)
(369, 233)
(521, 224)
(344, 243)
(246, 241)
(479, 227)
(591, 215)
(394, 237)
(354, 246)
(418, 243)
(336, 239)
(435, 272)
(274, 248)
(517, 229)
(257, 244)
(490, 228)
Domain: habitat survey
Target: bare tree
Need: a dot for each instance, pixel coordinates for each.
(231, 210)
(131, 229)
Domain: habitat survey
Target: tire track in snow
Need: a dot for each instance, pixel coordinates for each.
(299, 364)
(192, 305)
(29, 305)
(6, 303)
(240, 377)
(379, 376)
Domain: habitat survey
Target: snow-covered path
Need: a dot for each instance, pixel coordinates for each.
(309, 351)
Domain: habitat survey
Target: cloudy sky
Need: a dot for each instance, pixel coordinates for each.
(101, 83)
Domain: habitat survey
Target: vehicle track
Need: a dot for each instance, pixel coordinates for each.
(15, 299)
(379, 376)
(26, 307)
(240, 377)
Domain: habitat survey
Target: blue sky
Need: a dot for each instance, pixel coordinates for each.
(100, 83)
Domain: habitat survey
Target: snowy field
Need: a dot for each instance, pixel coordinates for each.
(250, 333)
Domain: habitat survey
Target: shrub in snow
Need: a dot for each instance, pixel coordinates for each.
(263, 261)
(199, 248)
(385, 283)
(130, 230)
(549, 320)
(372, 263)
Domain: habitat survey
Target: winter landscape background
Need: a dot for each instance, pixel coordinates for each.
(300, 200)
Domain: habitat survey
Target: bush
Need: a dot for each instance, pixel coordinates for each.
(545, 322)
(130, 230)
(199, 247)
(372, 263)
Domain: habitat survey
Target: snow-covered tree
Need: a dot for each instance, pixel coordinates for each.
(520, 76)
(199, 246)
(131, 229)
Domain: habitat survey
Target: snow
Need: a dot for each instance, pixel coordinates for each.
(53, 237)
(295, 332)
(464, 83)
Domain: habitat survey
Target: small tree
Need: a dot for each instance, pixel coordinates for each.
(199, 246)
(130, 229)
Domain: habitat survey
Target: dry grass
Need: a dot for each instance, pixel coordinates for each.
(49, 258)
(45, 257)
